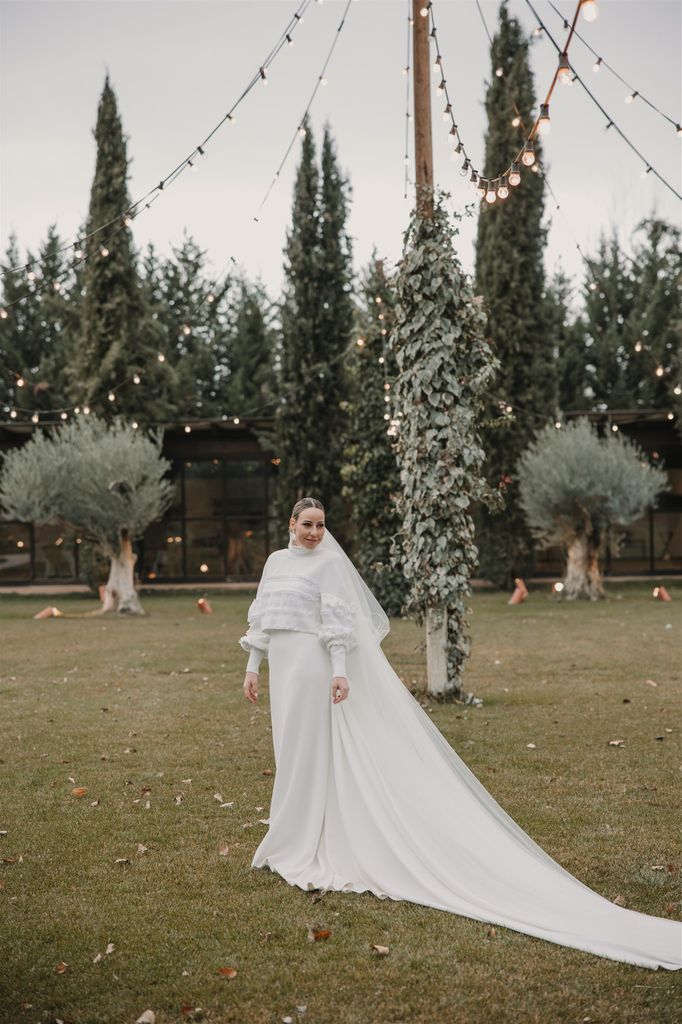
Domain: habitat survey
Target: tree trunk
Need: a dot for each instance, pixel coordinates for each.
(583, 577)
(120, 594)
(437, 683)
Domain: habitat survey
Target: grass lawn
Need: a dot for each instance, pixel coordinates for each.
(149, 716)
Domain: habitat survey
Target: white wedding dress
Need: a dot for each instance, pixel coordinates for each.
(370, 797)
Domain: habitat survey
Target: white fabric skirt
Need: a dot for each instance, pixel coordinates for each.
(369, 796)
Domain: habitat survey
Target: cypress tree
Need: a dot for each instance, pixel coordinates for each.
(316, 319)
(510, 276)
(371, 480)
(251, 382)
(118, 336)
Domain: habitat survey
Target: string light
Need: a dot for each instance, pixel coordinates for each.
(142, 203)
(596, 67)
(589, 9)
(491, 192)
(564, 72)
(544, 123)
(514, 175)
(528, 156)
(503, 189)
(136, 378)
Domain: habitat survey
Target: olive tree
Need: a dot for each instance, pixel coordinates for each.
(105, 480)
(574, 485)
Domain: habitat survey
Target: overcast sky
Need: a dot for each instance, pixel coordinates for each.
(177, 67)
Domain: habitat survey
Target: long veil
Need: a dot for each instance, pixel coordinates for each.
(410, 821)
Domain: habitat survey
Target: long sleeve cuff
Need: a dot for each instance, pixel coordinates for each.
(338, 653)
(255, 658)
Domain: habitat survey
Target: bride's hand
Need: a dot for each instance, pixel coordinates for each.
(339, 689)
(251, 687)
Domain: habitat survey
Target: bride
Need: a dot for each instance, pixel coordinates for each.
(368, 794)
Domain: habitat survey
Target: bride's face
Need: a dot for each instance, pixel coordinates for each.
(308, 528)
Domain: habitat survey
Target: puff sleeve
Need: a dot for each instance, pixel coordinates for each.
(255, 641)
(337, 612)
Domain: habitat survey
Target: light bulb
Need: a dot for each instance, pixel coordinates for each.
(564, 73)
(186, 329)
(112, 396)
(516, 121)
(528, 155)
(323, 80)
(136, 378)
(474, 176)
(65, 415)
(589, 9)
(503, 188)
(134, 424)
(596, 67)
(57, 286)
(436, 64)
(677, 389)
(78, 252)
(678, 129)
(13, 414)
(31, 275)
(447, 112)
(127, 220)
(290, 41)
(514, 175)
(659, 371)
(499, 72)
(161, 357)
(188, 430)
(646, 171)
(544, 123)
(86, 410)
(481, 187)
(104, 251)
(424, 12)
(491, 192)
(638, 346)
(35, 417)
(235, 419)
(464, 170)
(631, 97)
(210, 297)
(3, 314)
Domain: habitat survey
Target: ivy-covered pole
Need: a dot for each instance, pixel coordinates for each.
(423, 147)
(445, 365)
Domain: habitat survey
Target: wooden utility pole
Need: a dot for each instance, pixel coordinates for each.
(423, 148)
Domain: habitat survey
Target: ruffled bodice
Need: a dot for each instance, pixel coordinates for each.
(301, 591)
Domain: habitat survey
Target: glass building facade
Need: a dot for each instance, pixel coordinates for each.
(222, 525)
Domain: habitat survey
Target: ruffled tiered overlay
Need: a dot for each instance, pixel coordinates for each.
(370, 796)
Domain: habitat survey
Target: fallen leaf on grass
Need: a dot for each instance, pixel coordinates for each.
(178, 798)
(122, 860)
(79, 791)
(492, 933)
(618, 901)
(61, 967)
(650, 682)
(94, 803)
(670, 908)
(616, 743)
(11, 860)
(218, 797)
(531, 746)
(224, 850)
(148, 1017)
(315, 933)
(229, 803)
(110, 948)
(141, 848)
(381, 950)
(267, 771)
(227, 972)
(263, 821)
(185, 782)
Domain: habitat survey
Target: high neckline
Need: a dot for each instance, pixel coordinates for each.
(296, 549)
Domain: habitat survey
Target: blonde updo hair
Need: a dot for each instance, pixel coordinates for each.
(304, 503)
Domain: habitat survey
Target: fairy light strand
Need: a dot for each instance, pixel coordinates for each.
(611, 123)
(601, 63)
(321, 80)
(135, 208)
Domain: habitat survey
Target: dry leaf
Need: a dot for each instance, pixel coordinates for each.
(263, 821)
(381, 950)
(218, 797)
(492, 932)
(227, 972)
(650, 682)
(224, 850)
(267, 771)
(616, 743)
(315, 933)
(110, 948)
(79, 791)
(94, 803)
(148, 1017)
(531, 746)
(122, 860)
(141, 848)
(178, 798)
(185, 782)
(670, 908)
(96, 959)
(229, 804)
(61, 967)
